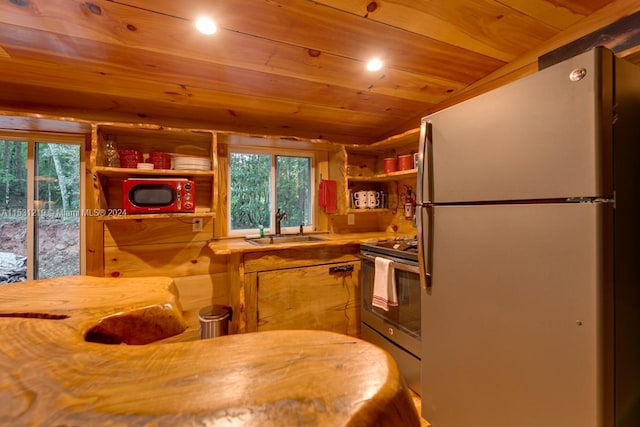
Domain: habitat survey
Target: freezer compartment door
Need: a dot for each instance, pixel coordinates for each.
(545, 136)
(517, 318)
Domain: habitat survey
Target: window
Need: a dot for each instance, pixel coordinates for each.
(261, 182)
(41, 187)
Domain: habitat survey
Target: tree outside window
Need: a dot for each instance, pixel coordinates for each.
(293, 189)
(250, 191)
(260, 183)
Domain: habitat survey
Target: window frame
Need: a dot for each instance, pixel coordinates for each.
(33, 138)
(273, 153)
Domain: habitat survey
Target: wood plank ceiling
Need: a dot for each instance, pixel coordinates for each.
(284, 67)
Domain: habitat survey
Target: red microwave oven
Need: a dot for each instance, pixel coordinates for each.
(158, 195)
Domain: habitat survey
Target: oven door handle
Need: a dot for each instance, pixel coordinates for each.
(396, 265)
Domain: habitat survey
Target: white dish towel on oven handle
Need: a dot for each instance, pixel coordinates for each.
(385, 294)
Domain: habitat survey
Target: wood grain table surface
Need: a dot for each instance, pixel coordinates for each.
(50, 375)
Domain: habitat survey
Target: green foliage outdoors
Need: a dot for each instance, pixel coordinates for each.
(57, 176)
(293, 189)
(13, 175)
(250, 196)
(251, 189)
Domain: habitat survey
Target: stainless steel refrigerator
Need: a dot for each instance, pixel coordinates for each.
(529, 229)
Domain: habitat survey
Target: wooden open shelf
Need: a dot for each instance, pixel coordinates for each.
(384, 177)
(110, 172)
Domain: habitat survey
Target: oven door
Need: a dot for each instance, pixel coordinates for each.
(401, 324)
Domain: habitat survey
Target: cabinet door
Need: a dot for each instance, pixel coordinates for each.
(325, 297)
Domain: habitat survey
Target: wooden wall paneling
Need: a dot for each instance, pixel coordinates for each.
(362, 164)
(99, 197)
(171, 260)
(94, 238)
(121, 233)
(320, 172)
(94, 252)
(324, 169)
(363, 222)
(222, 187)
(19, 120)
(111, 191)
(243, 139)
(214, 192)
(338, 172)
(204, 188)
(237, 292)
(93, 160)
(147, 138)
(398, 222)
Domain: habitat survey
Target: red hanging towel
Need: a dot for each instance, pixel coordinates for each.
(327, 196)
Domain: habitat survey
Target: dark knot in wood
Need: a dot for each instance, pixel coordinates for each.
(93, 8)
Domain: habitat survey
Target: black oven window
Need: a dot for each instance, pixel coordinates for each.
(406, 315)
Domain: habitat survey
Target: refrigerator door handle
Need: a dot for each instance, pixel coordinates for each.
(425, 168)
(425, 248)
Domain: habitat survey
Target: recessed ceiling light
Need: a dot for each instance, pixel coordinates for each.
(374, 64)
(206, 25)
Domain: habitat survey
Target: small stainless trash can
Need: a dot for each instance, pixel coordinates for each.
(214, 321)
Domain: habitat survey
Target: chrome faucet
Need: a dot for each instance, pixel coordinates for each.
(279, 218)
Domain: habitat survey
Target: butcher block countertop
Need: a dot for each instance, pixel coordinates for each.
(51, 376)
(239, 245)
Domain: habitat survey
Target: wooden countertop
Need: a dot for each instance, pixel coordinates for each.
(239, 245)
(50, 375)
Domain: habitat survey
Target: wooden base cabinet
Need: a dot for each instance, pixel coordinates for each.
(324, 297)
(306, 287)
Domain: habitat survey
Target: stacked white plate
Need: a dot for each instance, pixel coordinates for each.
(146, 166)
(192, 163)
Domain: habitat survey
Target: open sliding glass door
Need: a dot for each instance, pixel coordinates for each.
(42, 204)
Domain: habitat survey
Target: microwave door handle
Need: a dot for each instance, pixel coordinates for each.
(395, 265)
(424, 222)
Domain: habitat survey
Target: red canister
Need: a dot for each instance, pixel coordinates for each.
(390, 164)
(405, 162)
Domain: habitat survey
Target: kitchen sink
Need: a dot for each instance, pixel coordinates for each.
(282, 238)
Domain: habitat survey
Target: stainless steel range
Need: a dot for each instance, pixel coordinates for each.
(398, 329)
